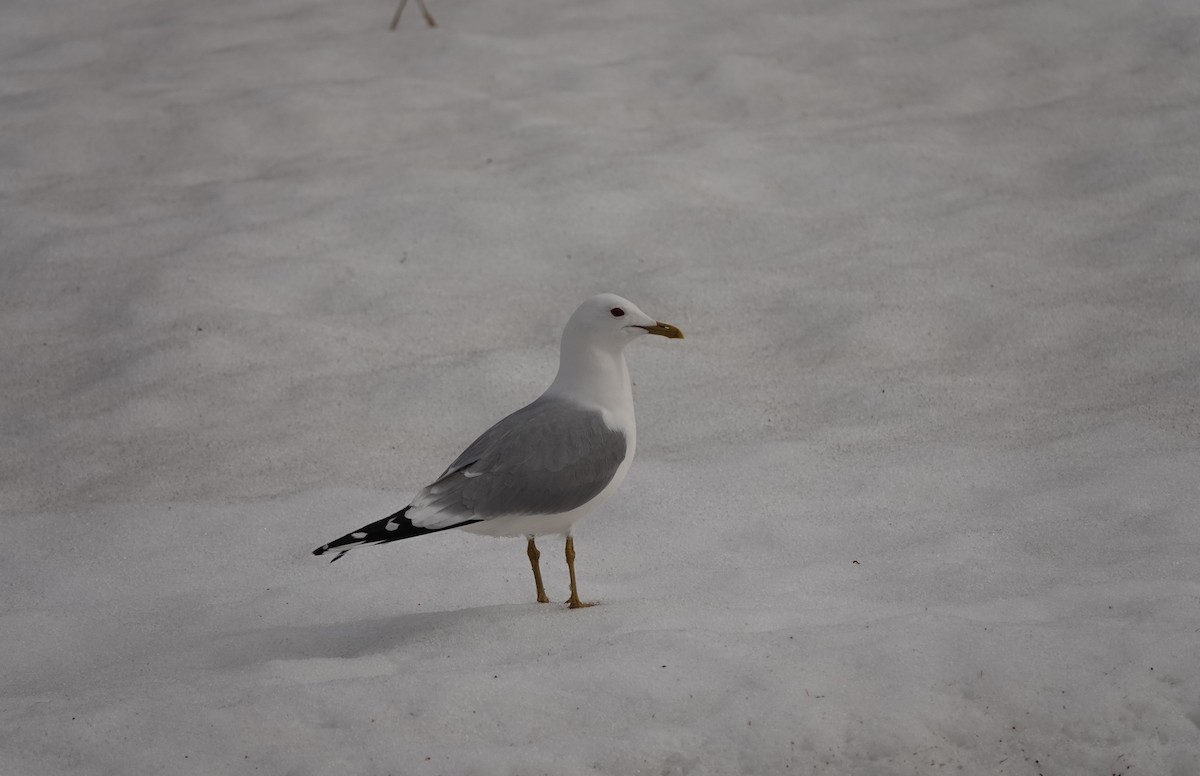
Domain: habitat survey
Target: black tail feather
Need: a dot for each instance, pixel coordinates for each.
(392, 528)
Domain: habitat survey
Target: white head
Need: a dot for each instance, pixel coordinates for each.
(591, 366)
(610, 322)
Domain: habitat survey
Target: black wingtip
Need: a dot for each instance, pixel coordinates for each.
(389, 529)
(325, 548)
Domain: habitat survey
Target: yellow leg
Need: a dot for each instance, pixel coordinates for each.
(574, 599)
(534, 556)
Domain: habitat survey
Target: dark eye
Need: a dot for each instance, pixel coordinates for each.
(617, 312)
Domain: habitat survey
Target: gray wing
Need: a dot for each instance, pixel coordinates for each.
(549, 457)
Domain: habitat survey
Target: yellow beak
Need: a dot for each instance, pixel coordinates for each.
(664, 330)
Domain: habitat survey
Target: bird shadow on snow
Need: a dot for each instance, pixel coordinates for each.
(355, 639)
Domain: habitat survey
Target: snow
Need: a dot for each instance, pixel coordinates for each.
(916, 495)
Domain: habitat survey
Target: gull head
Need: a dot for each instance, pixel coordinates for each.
(612, 322)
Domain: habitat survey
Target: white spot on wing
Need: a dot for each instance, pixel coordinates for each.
(359, 535)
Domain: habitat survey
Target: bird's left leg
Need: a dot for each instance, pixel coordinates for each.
(534, 556)
(574, 599)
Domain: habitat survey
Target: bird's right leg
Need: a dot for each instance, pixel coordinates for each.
(425, 12)
(574, 599)
(534, 556)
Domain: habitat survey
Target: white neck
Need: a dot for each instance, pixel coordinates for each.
(596, 376)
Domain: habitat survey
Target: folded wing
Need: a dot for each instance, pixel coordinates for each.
(549, 457)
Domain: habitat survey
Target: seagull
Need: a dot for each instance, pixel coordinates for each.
(548, 464)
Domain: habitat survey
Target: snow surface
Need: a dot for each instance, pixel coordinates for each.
(917, 495)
